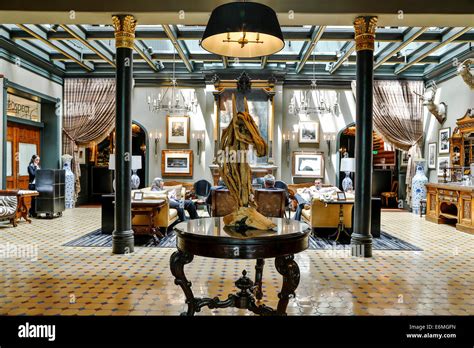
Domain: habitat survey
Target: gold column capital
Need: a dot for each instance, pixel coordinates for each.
(124, 30)
(364, 28)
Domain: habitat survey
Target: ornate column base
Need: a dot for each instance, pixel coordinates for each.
(122, 242)
(361, 245)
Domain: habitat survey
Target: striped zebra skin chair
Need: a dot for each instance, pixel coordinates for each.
(8, 205)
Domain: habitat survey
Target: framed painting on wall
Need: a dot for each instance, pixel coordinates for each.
(432, 156)
(177, 163)
(443, 162)
(308, 132)
(177, 129)
(404, 157)
(443, 140)
(308, 164)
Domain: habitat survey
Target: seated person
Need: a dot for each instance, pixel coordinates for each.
(220, 185)
(174, 203)
(269, 184)
(305, 197)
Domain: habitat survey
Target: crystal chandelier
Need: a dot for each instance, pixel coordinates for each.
(321, 106)
(172, 100)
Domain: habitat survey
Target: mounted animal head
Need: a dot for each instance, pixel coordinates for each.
(464, 67)
(437, 110)
(464, 70)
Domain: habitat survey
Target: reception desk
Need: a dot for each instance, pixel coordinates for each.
(451, 204)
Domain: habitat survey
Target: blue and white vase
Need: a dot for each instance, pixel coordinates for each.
(68, 185)
(418, 186)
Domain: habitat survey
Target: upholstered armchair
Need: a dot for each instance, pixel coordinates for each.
(320, 216)
(270, 203)
(222, 203)
(8, 205)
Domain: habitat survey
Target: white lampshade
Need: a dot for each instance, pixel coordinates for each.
(112, 161)
(136, 162)
(347, 164)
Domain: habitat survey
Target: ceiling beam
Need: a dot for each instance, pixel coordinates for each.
(41, 35)
(394, 48)
(331, 34)
(450, 57)
(341, 12)
(142, 51)
(417, 56)
(179, 46)
(315, 37)
(348, 49)
(78, 34)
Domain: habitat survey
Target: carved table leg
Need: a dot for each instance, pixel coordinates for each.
(258, 278)
(23, 209)
(290, 271)
(177, 262)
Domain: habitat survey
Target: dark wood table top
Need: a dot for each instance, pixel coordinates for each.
(210, 237)
(339, 202)
(149, 203)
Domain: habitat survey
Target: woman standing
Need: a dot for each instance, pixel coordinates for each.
(32, 168)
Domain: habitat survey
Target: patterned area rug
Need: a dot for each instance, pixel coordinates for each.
(97, 239)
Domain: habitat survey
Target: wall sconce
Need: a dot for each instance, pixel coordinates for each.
(199, 136)
(156, 137)
(329, 136)
(287, 138)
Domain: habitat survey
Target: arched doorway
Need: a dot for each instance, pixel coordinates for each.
(384, 169)
(140, 148)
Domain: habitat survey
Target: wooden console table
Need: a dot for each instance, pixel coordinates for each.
(451, 203)
(149, 208)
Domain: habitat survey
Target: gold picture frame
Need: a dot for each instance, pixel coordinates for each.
(178, 130)
(177, 163)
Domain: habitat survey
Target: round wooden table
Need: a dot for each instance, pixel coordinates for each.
(209, 237)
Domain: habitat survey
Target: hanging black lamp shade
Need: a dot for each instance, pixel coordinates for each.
(244, 30)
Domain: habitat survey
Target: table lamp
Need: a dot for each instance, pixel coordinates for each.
(347, 166)
(136, 164)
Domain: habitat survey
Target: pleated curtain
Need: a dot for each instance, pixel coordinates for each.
(88, 116)
(398, 118)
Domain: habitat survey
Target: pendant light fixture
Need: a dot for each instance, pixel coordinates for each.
(243, 30)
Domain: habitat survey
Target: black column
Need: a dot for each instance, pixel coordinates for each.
(361, 240)
(122, 237)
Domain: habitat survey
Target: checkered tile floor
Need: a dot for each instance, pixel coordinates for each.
(50, 279)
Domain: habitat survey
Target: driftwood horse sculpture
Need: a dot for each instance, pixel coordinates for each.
(235, 169)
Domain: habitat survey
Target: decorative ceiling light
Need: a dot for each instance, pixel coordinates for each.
(321, 106)
(172, 101)
(244, 30)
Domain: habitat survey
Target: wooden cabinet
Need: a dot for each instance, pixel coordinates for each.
(461, 151)
(451, 204)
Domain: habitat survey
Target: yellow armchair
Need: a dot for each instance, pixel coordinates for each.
(166, 215)
(321, 216)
